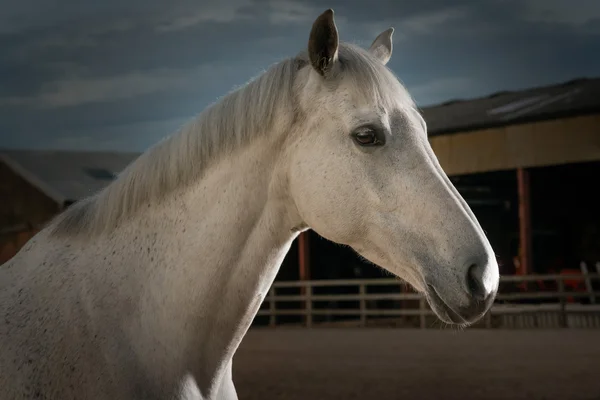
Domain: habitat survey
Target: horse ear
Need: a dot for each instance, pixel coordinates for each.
(382, 46)
(323, 43)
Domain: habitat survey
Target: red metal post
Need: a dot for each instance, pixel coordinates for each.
(525, 246)
(304, 256)
(304, 270)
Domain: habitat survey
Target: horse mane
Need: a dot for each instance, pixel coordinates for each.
(230, 123)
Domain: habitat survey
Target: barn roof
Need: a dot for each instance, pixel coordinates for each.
(576, 97)
(67, 176)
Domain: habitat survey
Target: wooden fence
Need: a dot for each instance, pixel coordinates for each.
(533, 301)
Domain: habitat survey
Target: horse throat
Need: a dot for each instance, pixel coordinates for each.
(220, 245)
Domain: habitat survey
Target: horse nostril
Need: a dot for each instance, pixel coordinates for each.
(475, 282)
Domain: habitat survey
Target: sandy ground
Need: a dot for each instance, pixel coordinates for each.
(294, 364)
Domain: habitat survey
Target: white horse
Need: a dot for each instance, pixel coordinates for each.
(145, 290)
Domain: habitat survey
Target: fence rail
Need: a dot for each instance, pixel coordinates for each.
(523, 301)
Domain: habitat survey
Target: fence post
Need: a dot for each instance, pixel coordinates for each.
(563, 303)
(309, 315)
(272, 316)
(588, 282)
(422, 313)
(363, 304)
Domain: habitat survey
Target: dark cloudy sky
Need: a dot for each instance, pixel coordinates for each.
(121, 74)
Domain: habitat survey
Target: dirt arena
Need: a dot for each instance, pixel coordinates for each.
(385, 364)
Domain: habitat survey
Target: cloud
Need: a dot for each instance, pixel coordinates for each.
(137, 136)
(98, 18)
(413, 25)
(284, 12)
(113, 71)
(447, 87)
(429, 23)
(78, 91)
(191, 15)
(570, 13)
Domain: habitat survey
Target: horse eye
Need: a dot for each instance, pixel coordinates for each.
(366, 138)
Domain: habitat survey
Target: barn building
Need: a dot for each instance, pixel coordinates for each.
(37, 185)
(527, 162)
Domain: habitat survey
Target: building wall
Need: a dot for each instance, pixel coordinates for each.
(23, 208)
(536, 144)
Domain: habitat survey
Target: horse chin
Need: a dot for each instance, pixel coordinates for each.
(442, 310)
(463, 316)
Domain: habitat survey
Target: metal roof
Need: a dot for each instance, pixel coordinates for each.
(67, 176)
(576, 97)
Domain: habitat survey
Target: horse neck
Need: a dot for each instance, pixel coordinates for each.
(208, 257)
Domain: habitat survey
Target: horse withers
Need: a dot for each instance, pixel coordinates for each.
(145, 289)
